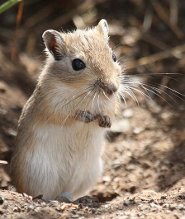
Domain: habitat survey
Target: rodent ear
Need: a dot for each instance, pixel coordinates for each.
(103, 28)
(53, 41)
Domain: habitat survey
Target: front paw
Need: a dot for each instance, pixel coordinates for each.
(85, 116)
(104, 121)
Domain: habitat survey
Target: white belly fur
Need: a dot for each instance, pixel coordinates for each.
(64, 159)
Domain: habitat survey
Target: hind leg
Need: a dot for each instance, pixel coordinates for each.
(89, 180)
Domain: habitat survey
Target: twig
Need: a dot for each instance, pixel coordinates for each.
(19, 13)
(84, 7)
(164, 17)
(174, 12)
(175, 51)
(39, 16)
(154, 41)
(164, 83)
(147, 23)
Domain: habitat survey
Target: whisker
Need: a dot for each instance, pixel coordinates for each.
(127, 91)
(81, 101)
(87, 104)
(131, 94)
(92, 103)
(128, 77)
(134, 96)
(141, 92)
(152, 90)
(173, 91)
(63, 122)
(156, 93)
(106, 95)
(155, 74)
(98, 101)
(124, 100)
(75, 97)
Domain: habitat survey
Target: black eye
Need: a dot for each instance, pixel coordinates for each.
(114, 57)
(78, 64)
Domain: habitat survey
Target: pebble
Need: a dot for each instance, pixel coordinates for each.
(155, 206)
(107, 178)
(163, 196)
(181, 207)
(128, 202)
(138, 130)
(3, 111)
(172, 207)
(30, 207)
(122, 125)
(54, 203)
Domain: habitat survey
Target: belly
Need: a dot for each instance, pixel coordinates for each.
(65, 159)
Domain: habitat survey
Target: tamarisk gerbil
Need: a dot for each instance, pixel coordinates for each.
(62, 126)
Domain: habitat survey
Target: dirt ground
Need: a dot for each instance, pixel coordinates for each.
(144, 159)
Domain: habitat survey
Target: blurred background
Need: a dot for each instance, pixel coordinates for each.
(149, 38)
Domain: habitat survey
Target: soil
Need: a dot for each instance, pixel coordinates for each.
(144, 159)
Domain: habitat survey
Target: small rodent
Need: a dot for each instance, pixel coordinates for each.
(62, 126)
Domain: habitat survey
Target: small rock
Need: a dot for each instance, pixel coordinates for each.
(172, 207)
(122, 125)
(181, 207)
(3, 111)
(106, 178)
(53, 203)
(163, 196)
(138, 130)
(30, 207)
(181, 196)
(128, 202)
(2, 87)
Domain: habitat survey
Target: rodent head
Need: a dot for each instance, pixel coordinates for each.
(83, 61)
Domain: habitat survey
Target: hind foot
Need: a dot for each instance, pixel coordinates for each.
(64, 197)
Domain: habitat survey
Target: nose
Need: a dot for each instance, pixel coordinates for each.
(108, 88)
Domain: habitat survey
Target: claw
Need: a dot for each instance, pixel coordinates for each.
(104, 121)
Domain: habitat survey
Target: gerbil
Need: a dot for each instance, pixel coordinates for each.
(61, 129)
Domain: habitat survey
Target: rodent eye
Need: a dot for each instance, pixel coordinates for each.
(78, 64)
(114, 57)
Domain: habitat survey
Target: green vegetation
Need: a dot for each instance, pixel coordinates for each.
(8, 4)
